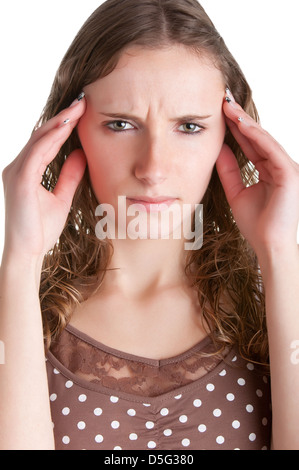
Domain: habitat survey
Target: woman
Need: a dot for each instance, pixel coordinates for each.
(150, 345)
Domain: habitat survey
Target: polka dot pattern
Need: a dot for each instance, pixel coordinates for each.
(228, 408)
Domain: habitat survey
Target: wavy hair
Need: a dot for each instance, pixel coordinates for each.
(226, 266)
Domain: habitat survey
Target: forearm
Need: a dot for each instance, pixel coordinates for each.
(25, 420)
(281, 279)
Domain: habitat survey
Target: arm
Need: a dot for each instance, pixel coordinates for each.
(280, 273)
(267, 214)
(25, 412)
(34, 220)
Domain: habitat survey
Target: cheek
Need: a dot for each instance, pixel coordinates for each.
(104, 174)
(101, 151)
(93, 148)
(212, 144)
(198, 170)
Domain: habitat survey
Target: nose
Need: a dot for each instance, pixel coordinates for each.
(153, 161)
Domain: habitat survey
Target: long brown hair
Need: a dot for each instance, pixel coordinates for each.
(225, 267)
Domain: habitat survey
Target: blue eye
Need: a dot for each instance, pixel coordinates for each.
(190, 128)
(120, 126)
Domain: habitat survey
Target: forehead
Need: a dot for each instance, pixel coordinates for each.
(171, 75)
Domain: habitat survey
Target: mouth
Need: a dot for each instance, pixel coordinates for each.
(155, 204)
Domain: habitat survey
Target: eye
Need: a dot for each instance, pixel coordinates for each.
(190, 128)
(119, 126)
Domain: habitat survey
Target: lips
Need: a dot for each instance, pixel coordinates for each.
(155, 204)
(152, 200)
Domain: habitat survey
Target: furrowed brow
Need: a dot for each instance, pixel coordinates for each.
(186, 118)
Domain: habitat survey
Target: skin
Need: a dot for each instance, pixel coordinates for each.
(272, 204)
(155, 155)
(169, 149)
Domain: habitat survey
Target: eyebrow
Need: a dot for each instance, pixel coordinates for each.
(191, 117)
(186, 118)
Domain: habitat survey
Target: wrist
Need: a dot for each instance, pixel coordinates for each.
(281, 260)
(21, 265)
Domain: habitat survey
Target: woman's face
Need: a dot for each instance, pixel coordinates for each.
(154, 127)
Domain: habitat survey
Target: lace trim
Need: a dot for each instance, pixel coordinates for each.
(118, 371)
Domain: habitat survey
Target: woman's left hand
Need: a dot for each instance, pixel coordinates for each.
(267, 213)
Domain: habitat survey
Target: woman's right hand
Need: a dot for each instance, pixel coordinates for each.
(36, 217)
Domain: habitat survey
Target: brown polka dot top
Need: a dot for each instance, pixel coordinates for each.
(102, 398)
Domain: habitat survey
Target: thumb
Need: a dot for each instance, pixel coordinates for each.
(70, 177)
(229, 173)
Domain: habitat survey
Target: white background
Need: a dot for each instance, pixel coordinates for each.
(262, 35)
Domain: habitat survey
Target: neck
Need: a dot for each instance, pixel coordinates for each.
(143, 267)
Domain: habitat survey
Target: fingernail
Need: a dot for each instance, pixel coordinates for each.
(81, 96)
(64, 123)
(243, 121)
(230, 96)
(77, 100)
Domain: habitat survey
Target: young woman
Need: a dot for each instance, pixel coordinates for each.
(150, 345)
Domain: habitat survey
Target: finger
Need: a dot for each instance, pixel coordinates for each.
(70, 177)
(243, 141)
(229, 173)
(47, 141)
(44, 151)
(65, 117)
(261, 141)
(260, 164)
(73, 112)
(244, 129)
